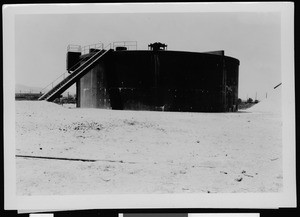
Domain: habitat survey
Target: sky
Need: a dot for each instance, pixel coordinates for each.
(254, 38)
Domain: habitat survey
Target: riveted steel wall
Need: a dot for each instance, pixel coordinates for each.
(162, 80)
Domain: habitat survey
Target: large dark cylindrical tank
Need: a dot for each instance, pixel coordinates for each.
(161, 80)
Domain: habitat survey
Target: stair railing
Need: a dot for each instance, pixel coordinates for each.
(55, 82)
(71, 47)
(128, 44)
(86, 49)
(74, 48)
(72, 75)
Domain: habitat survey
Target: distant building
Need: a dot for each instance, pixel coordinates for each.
(27, 96)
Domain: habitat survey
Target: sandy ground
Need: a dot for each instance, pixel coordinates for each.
(146, 152)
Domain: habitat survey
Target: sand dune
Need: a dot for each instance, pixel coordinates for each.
(272, 104)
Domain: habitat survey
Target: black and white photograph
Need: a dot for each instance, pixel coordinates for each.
(164, 102)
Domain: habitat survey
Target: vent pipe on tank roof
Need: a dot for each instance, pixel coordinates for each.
(157, 46)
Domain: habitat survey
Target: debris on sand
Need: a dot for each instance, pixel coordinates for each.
(173, 152)
(239, 179)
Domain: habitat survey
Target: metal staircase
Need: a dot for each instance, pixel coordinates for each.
(78, 73)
